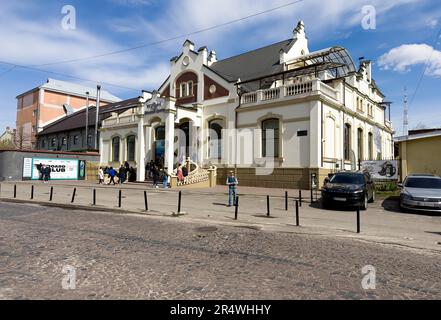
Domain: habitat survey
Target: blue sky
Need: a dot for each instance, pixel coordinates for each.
(402, 46)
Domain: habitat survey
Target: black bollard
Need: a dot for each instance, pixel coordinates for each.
(286, 200)
(236, 212)
(73, 195)
(268, 210)
(15, 191)
(146, 201)
(52, 194)
(94, 197)
(179, 201)
(358, 220)
(297, 214)
(32, 192)
(300, 198)
(119, 199)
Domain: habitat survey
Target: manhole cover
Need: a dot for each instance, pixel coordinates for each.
(206, 229)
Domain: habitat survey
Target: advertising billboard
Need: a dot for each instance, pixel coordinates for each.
(382, 169)
(61, 169)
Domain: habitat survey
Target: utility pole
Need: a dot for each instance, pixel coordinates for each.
(97, 109)
(87, 121)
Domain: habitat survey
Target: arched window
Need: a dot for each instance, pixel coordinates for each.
(371, 145)
(131, 146)
(347, 142)
(115, 149)
(270, 138)
(215, 139)
(360, 144)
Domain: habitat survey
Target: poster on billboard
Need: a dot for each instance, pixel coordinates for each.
(382, 169)
(61, 169)
(27, 168)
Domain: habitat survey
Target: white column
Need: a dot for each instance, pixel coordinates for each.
(169, 135)
(148, 143)
(141, 150)
(315, 135)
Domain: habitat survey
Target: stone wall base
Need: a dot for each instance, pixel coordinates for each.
(284, 178)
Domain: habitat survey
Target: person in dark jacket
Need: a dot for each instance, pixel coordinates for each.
(122, 175)
(156, 176)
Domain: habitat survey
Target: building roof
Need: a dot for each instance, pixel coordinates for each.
(253, 64)
(415, 135)
(74, 89)
(77, 120)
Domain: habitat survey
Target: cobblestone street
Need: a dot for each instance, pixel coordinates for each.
(137, 257)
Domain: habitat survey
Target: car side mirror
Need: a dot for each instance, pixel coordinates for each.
(400, 185)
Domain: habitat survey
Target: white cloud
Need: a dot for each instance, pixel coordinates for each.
(33, 42)
(402, 58)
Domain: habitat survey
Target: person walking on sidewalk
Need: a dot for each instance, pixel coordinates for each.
(101, 175)
(232, 188)
(112, 174)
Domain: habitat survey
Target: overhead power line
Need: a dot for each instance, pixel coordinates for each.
(426, 66)
(18, 66)
(169, 39)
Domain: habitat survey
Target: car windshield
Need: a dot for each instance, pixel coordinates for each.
(348, 179)
(423, 183)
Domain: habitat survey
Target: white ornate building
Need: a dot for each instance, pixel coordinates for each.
(281, 107)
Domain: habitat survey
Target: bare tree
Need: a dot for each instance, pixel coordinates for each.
(23, 140)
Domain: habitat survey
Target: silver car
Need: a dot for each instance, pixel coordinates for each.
(421, 193)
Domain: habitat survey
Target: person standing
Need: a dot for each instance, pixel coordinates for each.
(164, 178)
(180, 174)
(232, 183)
(101, 175)
(155, 175)
(122, 174)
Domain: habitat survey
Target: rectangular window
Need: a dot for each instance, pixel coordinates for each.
(183, 92)
(270, 138)
(190, 88)
(302, 133)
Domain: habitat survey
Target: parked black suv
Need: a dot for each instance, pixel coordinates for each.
(349, 188)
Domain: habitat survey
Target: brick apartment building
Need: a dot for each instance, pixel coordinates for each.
(50, 102)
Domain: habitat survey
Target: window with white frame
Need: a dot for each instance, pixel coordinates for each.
(186, 89)
(270, 138)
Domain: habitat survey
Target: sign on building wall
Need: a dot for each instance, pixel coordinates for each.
(381, 169)
(155, 105)
(61, 169)
(27, 168)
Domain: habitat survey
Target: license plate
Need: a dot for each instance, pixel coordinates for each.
(340, 199)
(429, 204)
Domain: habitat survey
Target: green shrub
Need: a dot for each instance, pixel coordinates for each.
(387, 187)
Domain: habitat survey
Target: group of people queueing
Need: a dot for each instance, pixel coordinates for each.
(125, 174)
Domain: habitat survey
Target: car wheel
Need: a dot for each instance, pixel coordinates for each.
(365, 204)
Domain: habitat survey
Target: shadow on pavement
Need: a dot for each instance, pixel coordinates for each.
(392, 204)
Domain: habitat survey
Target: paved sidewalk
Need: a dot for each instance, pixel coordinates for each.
(382, 223)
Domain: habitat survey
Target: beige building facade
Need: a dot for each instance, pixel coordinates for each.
(275, 115)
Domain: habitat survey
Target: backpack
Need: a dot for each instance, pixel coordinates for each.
(185, 171)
